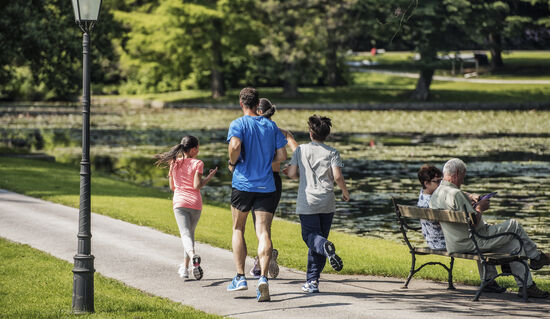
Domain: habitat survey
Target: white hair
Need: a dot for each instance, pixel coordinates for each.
(454, 166)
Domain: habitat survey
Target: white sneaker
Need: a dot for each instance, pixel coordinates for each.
(183, 272)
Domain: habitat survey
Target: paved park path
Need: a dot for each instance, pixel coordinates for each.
(147, 259)
(415, 75)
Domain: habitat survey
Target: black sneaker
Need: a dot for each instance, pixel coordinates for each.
(537, 264)
(534, 292)
(335, 260)
(197, 270)
(494, 287)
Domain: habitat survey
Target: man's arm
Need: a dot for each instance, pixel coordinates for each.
(290, 139)
(234, 150)
(280, 155)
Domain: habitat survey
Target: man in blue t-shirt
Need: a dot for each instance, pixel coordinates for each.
(255, 142)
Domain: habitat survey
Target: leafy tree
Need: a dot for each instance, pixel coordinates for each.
(432, 26)
(302, 43)
(42, 35)
(184, 44)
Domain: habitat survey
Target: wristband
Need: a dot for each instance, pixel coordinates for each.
(230, 164)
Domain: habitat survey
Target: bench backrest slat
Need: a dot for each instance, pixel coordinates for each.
(440, 215)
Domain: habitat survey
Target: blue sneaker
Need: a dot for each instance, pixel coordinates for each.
(312, 287)
(238, 283)
(262, 292)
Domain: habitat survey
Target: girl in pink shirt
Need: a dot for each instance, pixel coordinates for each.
(186, 180)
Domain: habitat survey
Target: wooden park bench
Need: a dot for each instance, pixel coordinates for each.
(406, 213)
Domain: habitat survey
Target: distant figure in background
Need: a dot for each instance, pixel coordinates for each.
(317, 166)
(267, 109)
(185, 178)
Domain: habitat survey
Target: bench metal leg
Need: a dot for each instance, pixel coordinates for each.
(526, 275)
(411, 273)
(484, 281)
(450, 270)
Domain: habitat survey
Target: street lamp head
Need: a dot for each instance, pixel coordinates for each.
(86, 12)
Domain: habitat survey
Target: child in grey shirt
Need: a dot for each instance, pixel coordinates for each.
(317, 166)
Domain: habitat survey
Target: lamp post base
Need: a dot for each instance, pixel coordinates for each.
(83, 284)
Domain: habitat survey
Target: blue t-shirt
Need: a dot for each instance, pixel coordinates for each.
(260, 138)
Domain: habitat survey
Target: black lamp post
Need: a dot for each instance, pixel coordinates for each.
(86, 13)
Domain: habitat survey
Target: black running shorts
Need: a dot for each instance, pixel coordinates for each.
(245, 201)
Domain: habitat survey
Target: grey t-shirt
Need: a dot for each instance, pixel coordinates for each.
(316, 190)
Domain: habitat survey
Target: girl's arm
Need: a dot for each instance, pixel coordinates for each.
(292, 171)
(199, 182)
(171, 177)
(339, 179)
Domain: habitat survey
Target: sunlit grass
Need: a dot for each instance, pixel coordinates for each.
(34, 284)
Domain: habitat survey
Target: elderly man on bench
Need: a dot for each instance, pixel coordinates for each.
(449, 196)
(430, 178)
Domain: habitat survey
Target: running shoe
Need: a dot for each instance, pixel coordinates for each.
(238, 283)
(312, 287)
(255, 271)
(273, 267)
(197, 270)
(335, 260)
(262, 292)
(182, 271)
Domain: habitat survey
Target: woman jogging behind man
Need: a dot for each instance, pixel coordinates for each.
(185, 177)
(267, 109)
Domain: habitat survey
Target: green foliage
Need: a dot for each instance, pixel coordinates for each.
(182, 45)
(41, 36)
(48, 293)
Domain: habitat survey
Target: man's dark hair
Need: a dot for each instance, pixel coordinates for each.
(319, 126)
(249, 98)
(428, 172)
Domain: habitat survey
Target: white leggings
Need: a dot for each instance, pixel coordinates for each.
(187, 220)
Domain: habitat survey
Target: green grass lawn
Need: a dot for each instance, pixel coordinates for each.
(371, 88)
(381, 88)
(151, 207)
(517, 64)
(34, 284)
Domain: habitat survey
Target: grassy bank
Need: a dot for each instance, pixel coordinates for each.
(381, 88)
(370, 88)
(147, 206)
(34, 284)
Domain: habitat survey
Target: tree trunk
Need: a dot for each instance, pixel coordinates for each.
(495, 44)
(422, 91)
(334, 76)
(217, 84)
(290, 82)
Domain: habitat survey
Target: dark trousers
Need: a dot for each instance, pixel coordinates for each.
(315, 230)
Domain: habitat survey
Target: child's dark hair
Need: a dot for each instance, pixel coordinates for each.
(428, 172)
(249, 97)
(319, 126)
(267, 108)
(187, 143)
